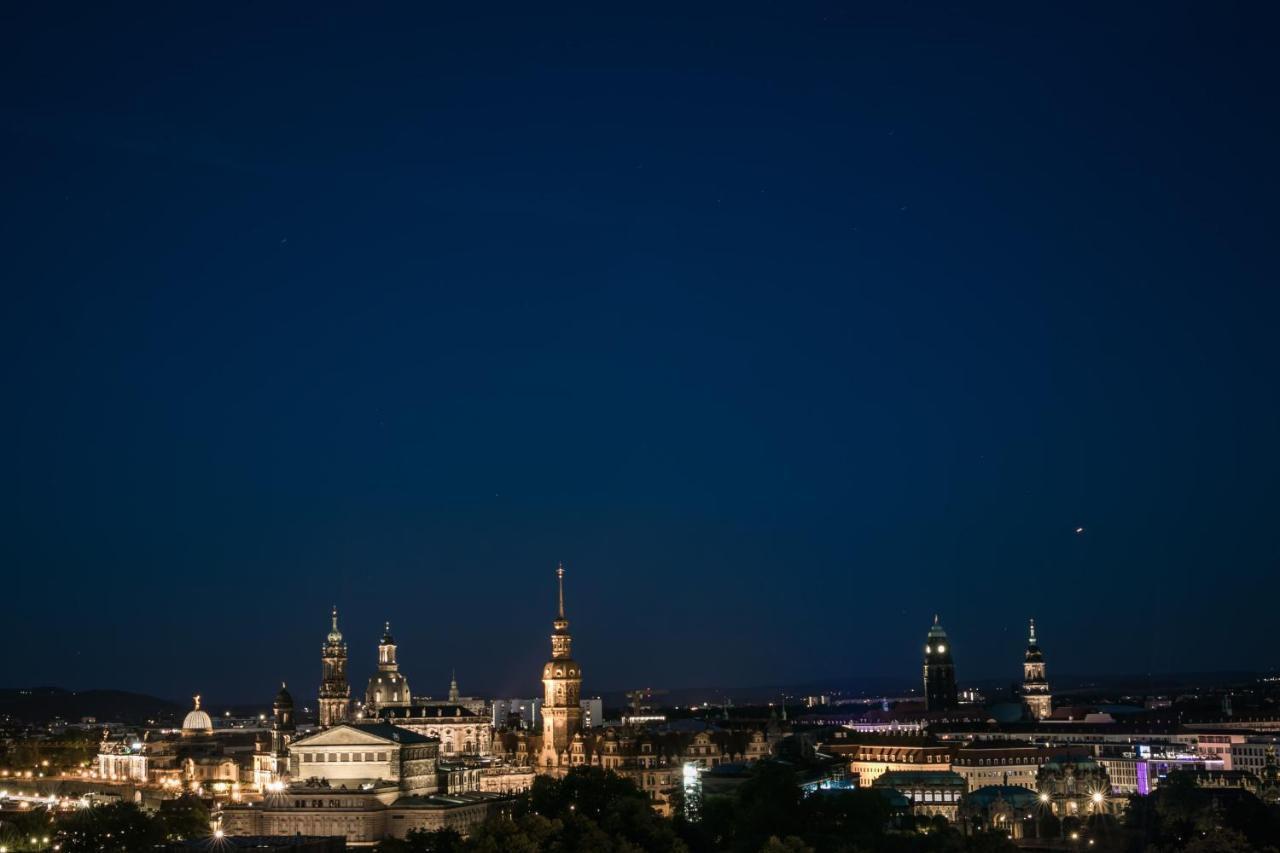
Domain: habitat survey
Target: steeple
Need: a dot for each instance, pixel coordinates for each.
(1035, 687)
(453, 686)
(560, 585)
(562, 716)
(335, 691)
(560, 639)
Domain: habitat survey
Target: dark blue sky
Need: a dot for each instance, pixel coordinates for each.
(784, 327)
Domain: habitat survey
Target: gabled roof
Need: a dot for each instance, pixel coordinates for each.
(357, 733)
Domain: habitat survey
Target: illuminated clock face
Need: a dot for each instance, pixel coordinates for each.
(928, 650)
(941, 649)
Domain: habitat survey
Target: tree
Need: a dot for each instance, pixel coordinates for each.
(425, 841)
(114, 828)
(20, 831)
(790, 844)
(184, 818)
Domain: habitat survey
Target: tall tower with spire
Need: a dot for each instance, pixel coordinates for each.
(562, 689)
(335, 691)
(939, 671)
(453, 686)
(1035, 687)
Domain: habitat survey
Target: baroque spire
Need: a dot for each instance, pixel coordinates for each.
(560, 584)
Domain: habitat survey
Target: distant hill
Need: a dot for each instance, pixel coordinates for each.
(41, 704)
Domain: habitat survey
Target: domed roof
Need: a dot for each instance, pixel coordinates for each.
(936, 631)
(197, 720)
(386, 636)
(283, 699)
(1014, 795)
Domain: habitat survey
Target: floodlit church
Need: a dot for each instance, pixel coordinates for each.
(462, 728)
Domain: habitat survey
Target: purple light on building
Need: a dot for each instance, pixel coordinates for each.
(1144, 783)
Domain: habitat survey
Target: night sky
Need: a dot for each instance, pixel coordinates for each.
(784, 327)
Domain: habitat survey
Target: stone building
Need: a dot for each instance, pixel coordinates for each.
(939, 671)
(462, 727)
(388, 688)
(870, 756)
(561, 689)
(984, 763)
(335, 690)
(1035, 687)
(931, 792)
(1075, 786)
(1011, 809)
(367, 781)
(222, 763)
(271, 753)
(461, 731)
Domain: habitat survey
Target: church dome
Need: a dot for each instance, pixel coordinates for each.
(197, 720)
(283, 699)
(387, 688)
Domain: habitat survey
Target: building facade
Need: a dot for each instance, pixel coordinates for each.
(367, 782)
(931, 792)
(871, 756)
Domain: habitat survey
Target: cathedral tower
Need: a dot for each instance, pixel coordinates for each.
(388, 688)
(1035, 687)
(335, 692)
(562, 687)
(939, 671)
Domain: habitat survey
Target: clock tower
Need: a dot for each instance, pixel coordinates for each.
(939, 671)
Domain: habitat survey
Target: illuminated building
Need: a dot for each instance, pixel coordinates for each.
(561, 687)
(1011, 809)
(388, 688)
(871, 756)
(985, 763)
(1075, 786)
(124, 761)
(931, 792)
(1035, 688)
(462, 728)
(939, 671)
(367, 782)
(271, 757)
(335, 691)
